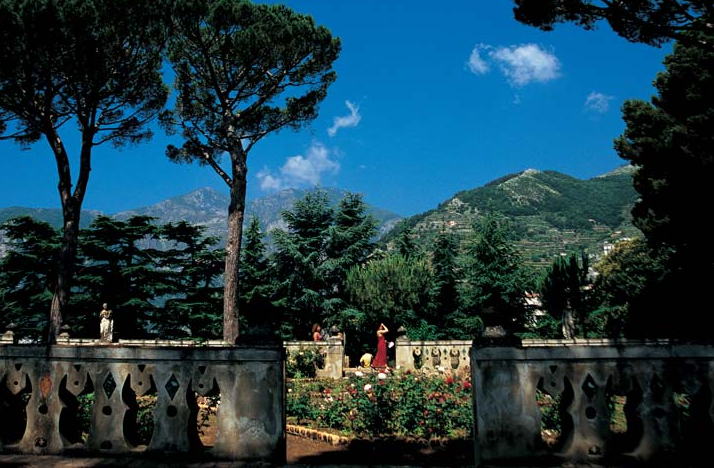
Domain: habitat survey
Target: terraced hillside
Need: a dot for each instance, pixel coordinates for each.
(552, 213)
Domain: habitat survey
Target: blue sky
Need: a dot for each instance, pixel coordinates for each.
(431, 98)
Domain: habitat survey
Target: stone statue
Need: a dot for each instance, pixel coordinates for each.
(106, 324)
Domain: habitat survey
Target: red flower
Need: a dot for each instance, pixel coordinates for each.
(466, 385)
(327, 391)
(449, 380)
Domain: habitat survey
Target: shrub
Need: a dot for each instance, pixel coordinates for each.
(302, 363)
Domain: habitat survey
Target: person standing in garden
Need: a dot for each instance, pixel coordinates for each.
(316, 332)
(380, 360)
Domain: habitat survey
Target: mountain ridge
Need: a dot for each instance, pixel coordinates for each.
(552, 213)
(207, 207)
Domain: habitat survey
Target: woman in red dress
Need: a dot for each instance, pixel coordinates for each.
(380, 360)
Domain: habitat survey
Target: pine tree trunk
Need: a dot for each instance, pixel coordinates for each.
(71, 211)
(236, 210)
(67, 256)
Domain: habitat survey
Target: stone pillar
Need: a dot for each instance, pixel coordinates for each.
(333, 361)
(42, 434)
(404, 358)
(251, 414)
(334, 357)
(506, 418)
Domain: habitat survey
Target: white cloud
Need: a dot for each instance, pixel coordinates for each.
(301, 170)
(268, 182)
(598, 102)
(520, 64)
(351, 120)
(526, 63)
(477, 64)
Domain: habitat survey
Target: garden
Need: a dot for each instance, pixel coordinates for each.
(401, 404)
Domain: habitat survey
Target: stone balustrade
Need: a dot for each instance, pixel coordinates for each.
(39, 386)
(447, 356)
(331, 352)
(663, 393)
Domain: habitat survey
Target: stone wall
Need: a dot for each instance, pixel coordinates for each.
(39, 386)
(332, 355)
(432, 357)
(666, 389)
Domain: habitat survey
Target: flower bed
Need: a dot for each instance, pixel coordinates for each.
(402, 404)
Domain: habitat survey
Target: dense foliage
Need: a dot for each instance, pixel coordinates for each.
(312, 259)
(671, 143)
(565, 293)
(169, 292)
(495, 280)
(649, 21)
(403, 404)
(629, 292)
(27, 274)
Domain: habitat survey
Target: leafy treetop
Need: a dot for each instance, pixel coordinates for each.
(652, 22)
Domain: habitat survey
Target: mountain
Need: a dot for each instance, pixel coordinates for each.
(268, 209)
(551, 213)
(49, 215)
(52, 216)
(206, 207)
(209, 208)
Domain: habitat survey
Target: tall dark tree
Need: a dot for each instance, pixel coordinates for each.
(116, 270)
(191, 266)
(405, 244)
(349, 244)
(95, 64)
(630, 288)
(393, 290)
(300, 251)
(253, 274)
(444, 293)
(671, 143)
(495, 278)
(565, 292)
(28, 273)
(649, 21)
(243, 71)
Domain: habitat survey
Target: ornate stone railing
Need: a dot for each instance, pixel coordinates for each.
(433, 356)
(662, 392)
(39, 386)
(331, 355)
